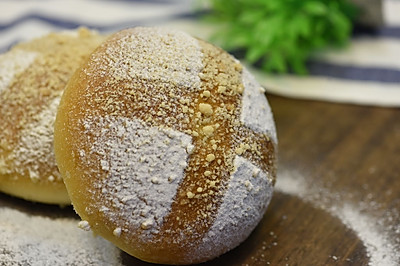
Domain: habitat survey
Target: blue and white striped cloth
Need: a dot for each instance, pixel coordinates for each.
(366, 72)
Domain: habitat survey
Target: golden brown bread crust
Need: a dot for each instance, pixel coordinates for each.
(32, 77)
(151, 142)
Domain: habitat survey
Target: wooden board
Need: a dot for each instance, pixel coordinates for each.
(337, 194)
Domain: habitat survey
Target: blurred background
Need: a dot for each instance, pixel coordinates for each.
(342, 51)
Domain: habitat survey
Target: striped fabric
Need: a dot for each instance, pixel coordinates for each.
(366, 72)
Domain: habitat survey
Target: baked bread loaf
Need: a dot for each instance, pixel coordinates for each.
(32, 77)
(167, 146)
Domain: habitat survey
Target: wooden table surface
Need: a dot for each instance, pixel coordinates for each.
(337, 198)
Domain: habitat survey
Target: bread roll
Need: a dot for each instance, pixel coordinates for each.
(32, 77)
(167, 146)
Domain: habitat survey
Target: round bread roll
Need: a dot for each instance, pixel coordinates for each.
(167, 146)
(32, 77)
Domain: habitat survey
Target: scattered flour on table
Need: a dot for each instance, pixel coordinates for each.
(381, 246)
(41, 241)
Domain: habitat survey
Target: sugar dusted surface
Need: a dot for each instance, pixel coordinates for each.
(183, 85)
(38, 136)
(32, 77)
(256, 112)
(144, 167)
(13, 63)
(157, 54)
(246, 200)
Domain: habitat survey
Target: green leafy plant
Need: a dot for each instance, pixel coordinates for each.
(281, 34)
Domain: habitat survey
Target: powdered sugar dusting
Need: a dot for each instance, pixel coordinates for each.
(157, 54)
(41, 241)
(162, 130)
(371, 230)
(12, 63)
(35, 147)
(256, 112)
(34, 81)
(144, 167)
(244, 204)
